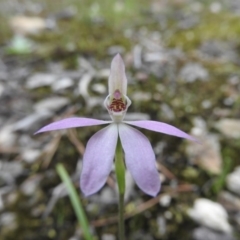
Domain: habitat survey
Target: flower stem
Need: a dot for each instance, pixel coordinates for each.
(121, 228)
(120, 173)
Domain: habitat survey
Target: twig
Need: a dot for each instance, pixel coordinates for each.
(50, 150)
(143, 206)
(72, 135)
(166, 171)
(11, 150)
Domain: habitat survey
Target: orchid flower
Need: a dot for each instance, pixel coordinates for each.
(100, 150)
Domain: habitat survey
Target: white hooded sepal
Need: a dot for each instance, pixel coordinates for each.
(116, 116)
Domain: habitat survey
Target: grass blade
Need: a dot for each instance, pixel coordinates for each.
(77, 206)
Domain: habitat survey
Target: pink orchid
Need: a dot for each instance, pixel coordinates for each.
(100, 150)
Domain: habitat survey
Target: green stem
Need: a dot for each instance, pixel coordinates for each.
(120, 174)
(121, 228)
(77, 206)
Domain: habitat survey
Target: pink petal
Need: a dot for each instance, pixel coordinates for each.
(117, 79)
(98, 159)
(71, 123)
(140, 159)
(162, 128)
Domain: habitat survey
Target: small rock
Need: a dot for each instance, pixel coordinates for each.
(215, 7)
(234, 80)
(95, 101)
(20, 45)
(157, 69)
(207, 154)
(103, 73)
(32, 121)
(3, 192)
(159, 147)
(107, 196)
(203, 233)
(218, 50)
(7, 136)
(213, 49)
(206, 104)
(10, 170)
(161, 223)
(30, 185)
(8, 220)
(30, 155)
(188, 21)
(19, 73)
(99, 88)
(210, 214)
(167, 112)
(168, 215)
(3, 71)
(229, 127)
(27, 25)
(62, 84)
(192, 72)
(237, 218)
(233, 181)
(141, 76)
(108, 237)
(161, 57)
(234, 6)
(229, 101)
(221, 112)
(40, 80)
(1, 203)
(67, 13)
(84, 84)
(165, 200)
(87, 66)
(11, 197)
(51, 104)
(137, 56)
(28, 141)
(229, 201)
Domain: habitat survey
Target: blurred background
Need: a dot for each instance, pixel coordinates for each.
(182, 62)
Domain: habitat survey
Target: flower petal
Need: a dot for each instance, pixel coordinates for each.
(71, 123)
(98, 159)
(140, 159)
(117, 79)
(162, 128)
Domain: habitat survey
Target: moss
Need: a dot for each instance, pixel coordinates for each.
(207, 29)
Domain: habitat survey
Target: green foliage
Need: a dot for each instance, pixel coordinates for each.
(219, 182)
(207, 29)
(75, 200)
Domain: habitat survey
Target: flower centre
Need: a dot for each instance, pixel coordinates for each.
(117, 105)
